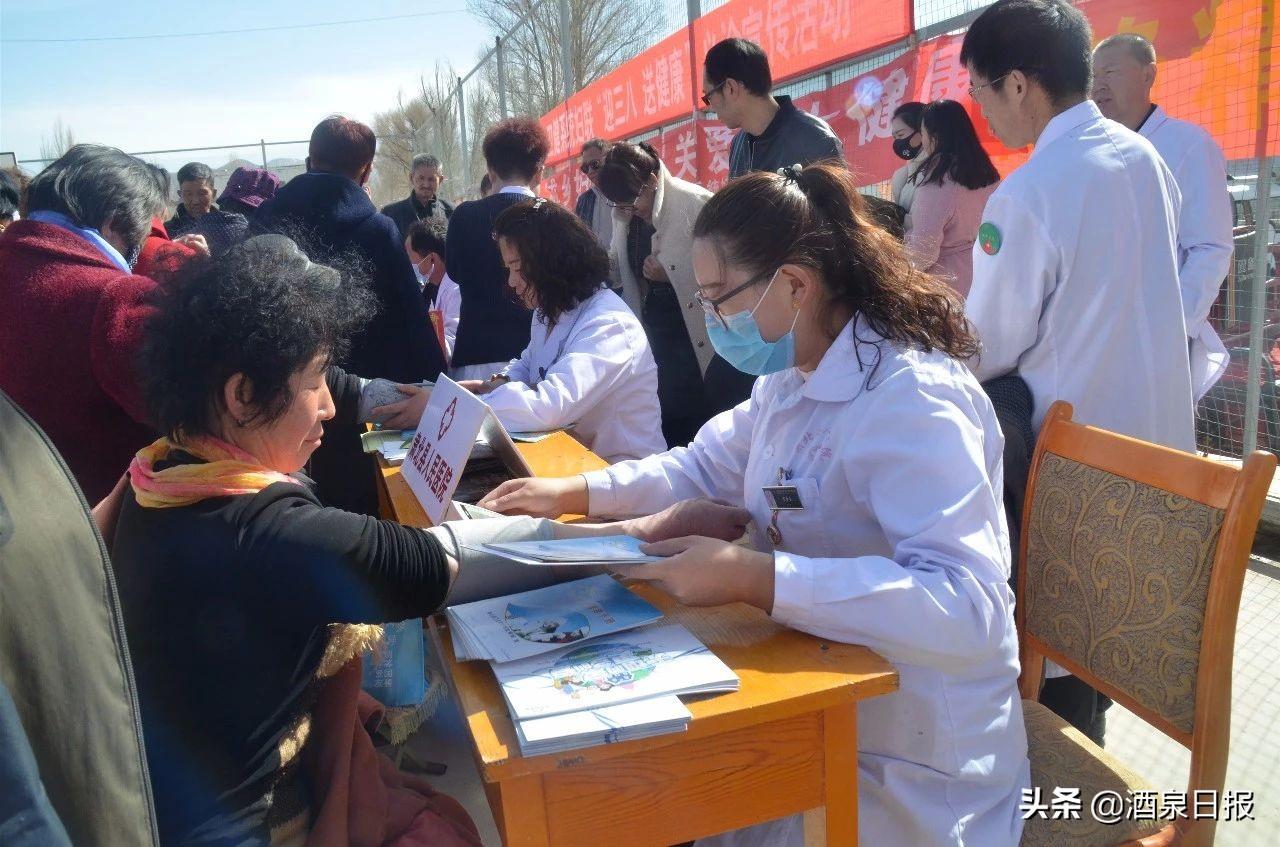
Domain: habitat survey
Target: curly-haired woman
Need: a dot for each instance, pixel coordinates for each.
(247, 604)
(588, 362)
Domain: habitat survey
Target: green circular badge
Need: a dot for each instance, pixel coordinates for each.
(990, 239)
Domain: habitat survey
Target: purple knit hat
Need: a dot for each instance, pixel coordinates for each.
(251, 186)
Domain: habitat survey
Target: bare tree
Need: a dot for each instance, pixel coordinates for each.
(426, 122)
(59, 141)
(604, 34)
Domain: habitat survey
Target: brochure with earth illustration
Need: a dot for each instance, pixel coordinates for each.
(626, 666)
(517, 626)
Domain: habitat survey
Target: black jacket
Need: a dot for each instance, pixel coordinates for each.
(405, 212)
(492, 326)
(792, 137)
(333, 221)
(211, 225)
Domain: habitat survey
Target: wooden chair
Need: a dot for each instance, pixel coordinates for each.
(1133, 562)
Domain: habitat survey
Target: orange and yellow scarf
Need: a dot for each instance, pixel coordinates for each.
(224, 470)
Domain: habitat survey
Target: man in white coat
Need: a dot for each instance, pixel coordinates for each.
(1124, 69)
(1075, 272)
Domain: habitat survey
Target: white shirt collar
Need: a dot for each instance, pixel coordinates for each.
(517, 189)
(1077, 115)
(1153, 122)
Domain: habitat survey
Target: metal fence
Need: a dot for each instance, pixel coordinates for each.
(1242, 412)
(449, 116)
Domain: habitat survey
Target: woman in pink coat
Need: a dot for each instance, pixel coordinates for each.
(952, 187)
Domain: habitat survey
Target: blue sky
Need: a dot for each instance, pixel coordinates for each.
(218, 89)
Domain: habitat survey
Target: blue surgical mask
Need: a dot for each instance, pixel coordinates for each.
(423, 278)
(741, 345)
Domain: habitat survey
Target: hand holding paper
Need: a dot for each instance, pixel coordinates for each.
(706, 572)
(691, 517)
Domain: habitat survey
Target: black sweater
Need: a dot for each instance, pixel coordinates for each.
(335, 222)
(492, 326)
(225, 606)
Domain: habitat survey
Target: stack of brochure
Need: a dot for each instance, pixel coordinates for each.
(606, 725)
(579, 664)
(517, 626)
(602, 550)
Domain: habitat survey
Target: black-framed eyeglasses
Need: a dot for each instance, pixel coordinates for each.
(629, 206)
(706, 98)
(711, 305)
(588, 168)
(974, 89)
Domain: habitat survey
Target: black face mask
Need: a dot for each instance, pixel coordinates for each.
(904, 148)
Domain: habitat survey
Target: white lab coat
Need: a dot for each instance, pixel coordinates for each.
(1205, 245)
(1082, 297)
(593, 369)
(901, 546)
(449, 302)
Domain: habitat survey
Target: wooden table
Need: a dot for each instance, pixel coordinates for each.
(785, 743)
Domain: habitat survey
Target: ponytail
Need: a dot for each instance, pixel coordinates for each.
(814, 216)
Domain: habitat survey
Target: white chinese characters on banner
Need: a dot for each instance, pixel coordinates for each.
(685, 164)
(873, 102)
(719, 138)
(944, 77)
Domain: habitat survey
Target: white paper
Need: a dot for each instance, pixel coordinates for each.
(441, 445)
(612, 669)
(611, 724)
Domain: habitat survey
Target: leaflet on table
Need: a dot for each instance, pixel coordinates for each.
(532, 622)
(625, 666)
(607, 725)
(602, 550)
(393, 444)
(460, 511)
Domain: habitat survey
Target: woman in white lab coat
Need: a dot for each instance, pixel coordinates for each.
(870, 460)
(588, 362)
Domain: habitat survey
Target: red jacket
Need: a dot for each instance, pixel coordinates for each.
(71, 328)
(160, 257)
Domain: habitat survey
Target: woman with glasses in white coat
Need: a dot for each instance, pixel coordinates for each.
(588, 362)
(870, 461)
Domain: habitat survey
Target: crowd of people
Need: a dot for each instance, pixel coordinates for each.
(885, 363)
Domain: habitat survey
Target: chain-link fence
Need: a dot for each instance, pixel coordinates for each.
(1214, 71)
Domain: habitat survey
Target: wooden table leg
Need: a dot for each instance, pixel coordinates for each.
(840, 731)
(522, 818)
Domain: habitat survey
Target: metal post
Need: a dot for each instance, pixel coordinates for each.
(462, 123)
(1261, 235)
(263, 142)
(566, 50)
(694, 8)
(1257, 310)
(502, 77)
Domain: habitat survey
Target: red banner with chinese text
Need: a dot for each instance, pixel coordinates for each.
(652, 89)
(1212, 57)
(801, 36)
